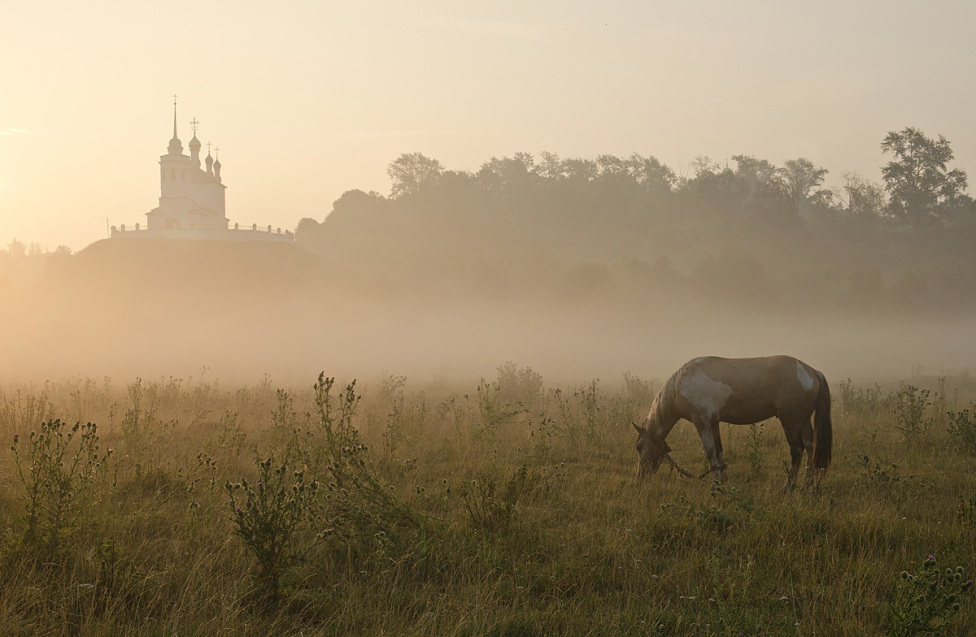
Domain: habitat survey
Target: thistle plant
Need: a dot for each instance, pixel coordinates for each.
(490, 509)
(270, 515)
(911, 412)
(56, 466)
(962, 427)
(335, 414)
(927, 601)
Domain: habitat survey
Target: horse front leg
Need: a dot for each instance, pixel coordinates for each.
(711, 437)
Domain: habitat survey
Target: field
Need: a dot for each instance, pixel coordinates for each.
(506, 507)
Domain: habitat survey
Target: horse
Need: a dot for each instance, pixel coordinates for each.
(741, 391)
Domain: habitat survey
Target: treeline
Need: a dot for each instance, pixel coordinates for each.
(22, 264)
(527, 223)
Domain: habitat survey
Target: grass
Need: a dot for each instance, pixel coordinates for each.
(504, 508)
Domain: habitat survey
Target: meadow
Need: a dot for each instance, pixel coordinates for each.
(506, 507)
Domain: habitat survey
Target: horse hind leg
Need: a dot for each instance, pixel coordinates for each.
(719, 455)
(796, 441)
(806, 433)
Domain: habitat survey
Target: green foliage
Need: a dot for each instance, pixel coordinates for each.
(861, 400)
(548, 536)
(491, 511)
(144, 432)
(885, 477)
(733, 509)
(911, 406)
(928, 601)
(412, 172)
(966, 511)
(918, 181)
(493, 411)
(962, 428)
(56, 470)
(335, 415)
(269, 515)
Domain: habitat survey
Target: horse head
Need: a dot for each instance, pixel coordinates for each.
(650, 452)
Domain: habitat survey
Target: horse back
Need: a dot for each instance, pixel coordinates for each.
(746, 390)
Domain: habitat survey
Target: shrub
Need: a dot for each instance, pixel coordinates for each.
(491, 511)
(927, 601)
(269, 515)
(962, 427)
(55, 474)
(910, 405)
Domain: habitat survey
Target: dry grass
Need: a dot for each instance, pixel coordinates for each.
(573, 544)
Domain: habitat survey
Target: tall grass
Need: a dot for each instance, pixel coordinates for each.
(505, 507)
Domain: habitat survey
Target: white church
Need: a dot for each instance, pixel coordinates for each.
(191, 200)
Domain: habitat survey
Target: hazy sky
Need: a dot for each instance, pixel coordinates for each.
(309, 99)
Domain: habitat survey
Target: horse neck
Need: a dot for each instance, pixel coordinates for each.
(663, 415)
(662, 418)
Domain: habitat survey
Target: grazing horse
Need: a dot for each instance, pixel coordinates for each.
(741, 391)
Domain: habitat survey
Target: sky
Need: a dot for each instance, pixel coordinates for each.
(309, 99)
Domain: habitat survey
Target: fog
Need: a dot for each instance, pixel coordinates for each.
(242, 311)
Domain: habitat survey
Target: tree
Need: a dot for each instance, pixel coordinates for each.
(865, 200)
(651, 174)
(550, 167)
(767, 196)
(800, 178)
(508, 173)
(17, 248)
(920, 186)
(412, 172)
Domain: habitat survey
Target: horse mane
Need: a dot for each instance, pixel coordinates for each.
(662, 409)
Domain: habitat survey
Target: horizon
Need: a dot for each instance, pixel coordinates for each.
(329, 96)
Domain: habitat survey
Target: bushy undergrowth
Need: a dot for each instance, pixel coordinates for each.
(503, 507)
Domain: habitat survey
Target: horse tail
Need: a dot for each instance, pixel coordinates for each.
(823, 433)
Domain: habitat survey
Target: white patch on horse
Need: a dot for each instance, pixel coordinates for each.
(806, 381)
(706, 395)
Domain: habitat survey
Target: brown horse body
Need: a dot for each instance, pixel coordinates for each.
(741, 391)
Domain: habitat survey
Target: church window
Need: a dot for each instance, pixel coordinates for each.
(182, 175)
(172, 174)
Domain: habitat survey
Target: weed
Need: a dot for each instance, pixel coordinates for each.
(910, 405)
(857, 400)
(335, 414)
(962, 428)
(715, 517)
(754, 446)
(885, 476)
(489, 510)
(391, 393)
(927, 601)
(55, 475)
(492, 411)
(966, 511)
(520, 386)
(269, 515)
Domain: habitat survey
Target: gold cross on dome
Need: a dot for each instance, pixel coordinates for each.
(193, 125)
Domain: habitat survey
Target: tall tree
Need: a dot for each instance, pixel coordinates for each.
(801, 179)
(920, 186)
(865, 199)
(411, 172)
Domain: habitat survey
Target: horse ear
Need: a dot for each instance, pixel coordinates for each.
(639, 429)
